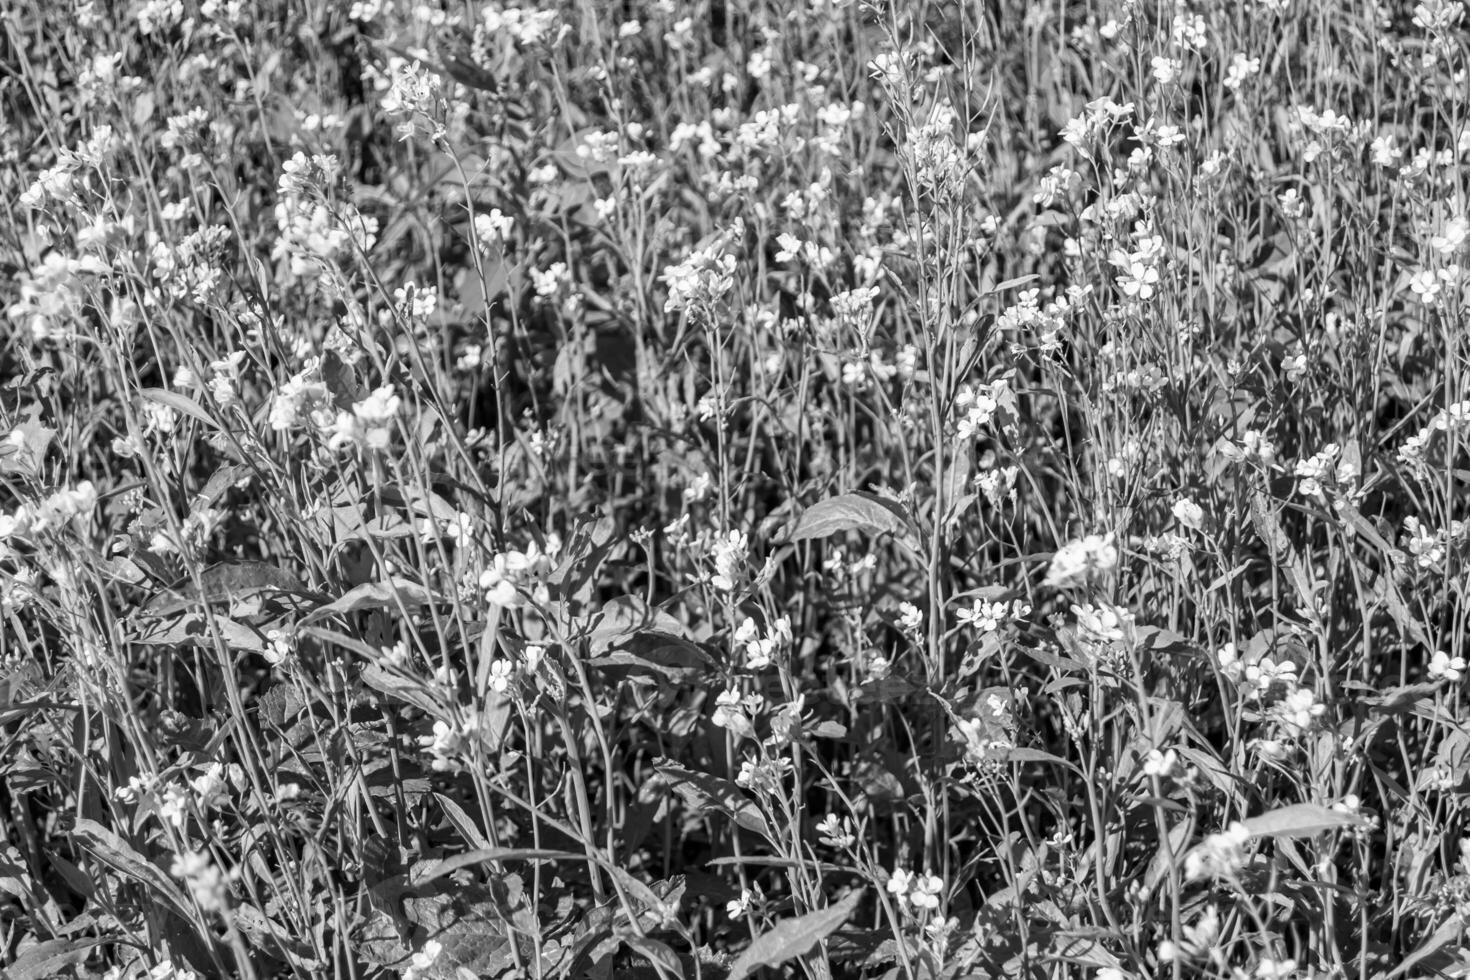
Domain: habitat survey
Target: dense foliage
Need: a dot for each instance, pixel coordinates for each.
(690, 488)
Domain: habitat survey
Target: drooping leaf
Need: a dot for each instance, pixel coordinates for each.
(222, 582)
(49, 959)
(793, 937)
(1023, 754)
(858, 511)
(626, 616)
(197, 629)
(702, 791)
(390, 595)
(655, 654)
(123, 858)
(657, 953)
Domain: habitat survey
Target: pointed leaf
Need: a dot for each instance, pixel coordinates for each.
(861, 511)
(182, 404)
(121, 857)
(376, 595)
(1300, 820)
(793, 938)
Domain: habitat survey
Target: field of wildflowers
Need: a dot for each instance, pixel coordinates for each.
(706, 489)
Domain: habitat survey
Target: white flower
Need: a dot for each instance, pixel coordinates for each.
(1444, 667)
(1078, 560)
(423, 960)
(925, 892)
(1452, 237)
(740, 906)
(502, 672)
(1161, 764)
(1220, 855)
(836, 832)
(1189, 513)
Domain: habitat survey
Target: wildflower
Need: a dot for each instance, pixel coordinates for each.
(1425, 285)
(1166, 71)
(1188, 513)
(514, 574)
(899, 884)
(204, 878)
(1268, 969)
(502, 672)
(763, 777)
(978, 406)
(1444, 667)
(910, 617)
(729, 553)
(1267, 673)
(449, 742)
(1310, 472)
(168, 971)
(423, 961)
(1161, 764)
(1220, 855)
(1077, 561)
(925, 892)
(1451, 237)
(1101, 624)
(730, 714)
(701, 279)
(279, 647)
(1241, 68)
(836, 832)
(740, 906)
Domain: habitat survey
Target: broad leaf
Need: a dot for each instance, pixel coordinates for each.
(860, 511)
(793, 938)
(1300, 820)
(376, 595)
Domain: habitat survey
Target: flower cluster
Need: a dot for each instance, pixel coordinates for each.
(515, 577)
(1082, 560)
(53, 513)
(922, 892)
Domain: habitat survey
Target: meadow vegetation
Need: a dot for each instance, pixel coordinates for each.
(705, 489)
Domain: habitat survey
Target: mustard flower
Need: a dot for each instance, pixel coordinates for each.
(1077, 561)
(1444, 667)
(1221, 855)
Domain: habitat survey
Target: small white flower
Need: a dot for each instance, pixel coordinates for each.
(1444, 667)
(1189, 513)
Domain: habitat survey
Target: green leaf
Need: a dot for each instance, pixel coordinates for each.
(701, 791)
(663, 958)
(1300, 820)
(391, 595)
(1023, 754)
(860, 511)
(443, 866)
(48, 959)
(26, 446)
(793, 937)
(121, 857)
(182, 404)
(1429, 956)
(196, 629)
